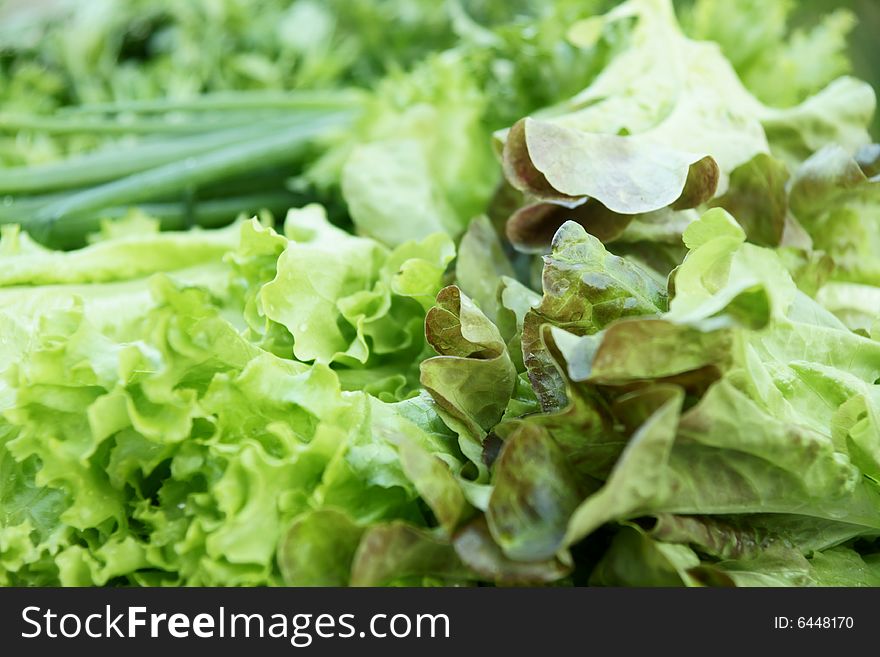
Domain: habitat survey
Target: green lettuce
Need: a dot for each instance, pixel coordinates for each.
(149, 438)
(388, 388)
(739, 424)
(755, 37)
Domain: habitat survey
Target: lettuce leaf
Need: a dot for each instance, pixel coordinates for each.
(664, 125)
(739, 423)
(147, 437)
(683, 390)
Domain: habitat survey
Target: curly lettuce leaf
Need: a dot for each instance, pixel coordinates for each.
(473, 377)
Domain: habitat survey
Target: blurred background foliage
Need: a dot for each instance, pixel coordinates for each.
(122, 49)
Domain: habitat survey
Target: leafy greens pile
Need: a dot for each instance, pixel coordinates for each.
(638, 345)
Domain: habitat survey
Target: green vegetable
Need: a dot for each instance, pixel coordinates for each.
(136, 407)
(638, 344)
(666, 123)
